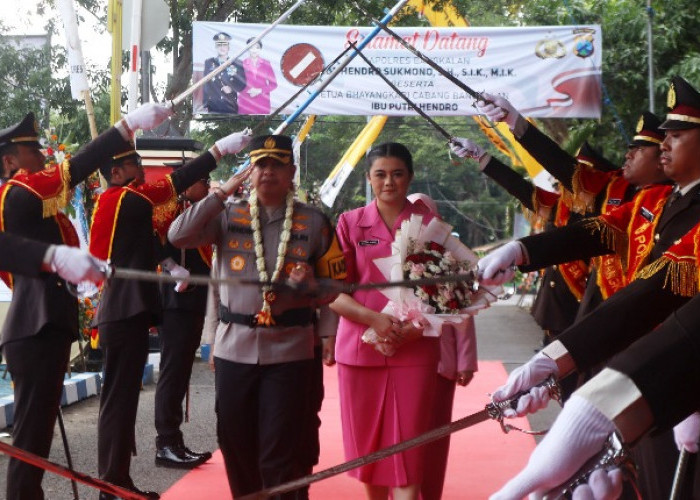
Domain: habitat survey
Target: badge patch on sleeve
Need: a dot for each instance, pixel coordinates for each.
(332, 263)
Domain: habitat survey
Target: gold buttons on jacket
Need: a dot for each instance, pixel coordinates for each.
(552, 284)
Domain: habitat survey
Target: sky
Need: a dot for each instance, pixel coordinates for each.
(22, 19)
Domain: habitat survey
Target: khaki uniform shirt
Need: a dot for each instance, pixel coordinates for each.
(228, 226)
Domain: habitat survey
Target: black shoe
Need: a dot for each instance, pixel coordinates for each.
(176, 457)
(205, 455)
(148, 494)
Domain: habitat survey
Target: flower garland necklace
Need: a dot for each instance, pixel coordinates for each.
(264, 316)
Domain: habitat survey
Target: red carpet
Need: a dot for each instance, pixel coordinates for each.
(482, 458)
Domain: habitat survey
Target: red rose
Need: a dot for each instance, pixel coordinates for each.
(436, 247)
(453, 304)
(431, 290)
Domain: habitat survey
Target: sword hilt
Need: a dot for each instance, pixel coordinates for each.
(614, 454)
(496, 408)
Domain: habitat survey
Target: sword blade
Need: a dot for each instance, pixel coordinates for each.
(403, 96)
(476, 95)
(433, 435)
(47, 465)
(679, 475)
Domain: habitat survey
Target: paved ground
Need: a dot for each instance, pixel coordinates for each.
(505, 332)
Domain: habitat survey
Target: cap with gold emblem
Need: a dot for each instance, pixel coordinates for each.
(683, 102)
(25, 132)
(648, 132)
(222, 37)
(125, 152)
(592, 158)
(278, 147)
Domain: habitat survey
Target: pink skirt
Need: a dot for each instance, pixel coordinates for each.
(382, 406)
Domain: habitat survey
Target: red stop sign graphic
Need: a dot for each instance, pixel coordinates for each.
(301, 63)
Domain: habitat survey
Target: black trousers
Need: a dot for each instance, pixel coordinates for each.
(37, 365)
(261, 412)
(179, 336)
(125, 346)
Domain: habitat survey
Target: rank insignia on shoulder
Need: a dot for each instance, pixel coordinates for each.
(647, 214)
(615, 202)
(365, 243)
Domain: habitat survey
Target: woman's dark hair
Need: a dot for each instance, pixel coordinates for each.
(390, 149)
(251, 39)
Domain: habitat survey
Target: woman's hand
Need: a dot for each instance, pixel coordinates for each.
(408, 333)
(387, 327)
(464, 377)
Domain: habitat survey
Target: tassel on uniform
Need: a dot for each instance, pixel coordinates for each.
(610, 236)
(681, 276)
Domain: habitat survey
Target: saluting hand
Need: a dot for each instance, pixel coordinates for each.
(236, 181)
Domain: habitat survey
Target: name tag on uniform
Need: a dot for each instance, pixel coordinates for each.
(647, 214)
(615, 202)
(365, 243)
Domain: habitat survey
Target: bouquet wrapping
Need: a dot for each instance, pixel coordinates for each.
(425, 251)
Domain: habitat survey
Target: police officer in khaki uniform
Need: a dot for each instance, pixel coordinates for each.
(264, 345)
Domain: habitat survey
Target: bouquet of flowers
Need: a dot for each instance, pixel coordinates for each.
(429, 251)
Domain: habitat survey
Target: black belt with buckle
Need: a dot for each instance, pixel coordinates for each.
(291, 317)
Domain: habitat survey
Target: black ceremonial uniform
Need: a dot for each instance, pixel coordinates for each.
(122, 230)
(179, 335)
(215, 99)
(20, 255)
(42, 320)
(555, 305)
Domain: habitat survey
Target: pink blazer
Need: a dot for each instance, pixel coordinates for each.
(458, 349)
(364, 237)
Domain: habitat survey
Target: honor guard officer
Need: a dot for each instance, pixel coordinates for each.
(264, 345)
(123, 232)
(642, 231)
(221, 92)
(179, 334)
(42, 321)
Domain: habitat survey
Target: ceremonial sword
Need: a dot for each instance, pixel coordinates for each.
(493, 410)
(613, 454)
(321, 287)
(476, 95)
(403, 96)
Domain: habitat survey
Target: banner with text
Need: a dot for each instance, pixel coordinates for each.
(545, 71)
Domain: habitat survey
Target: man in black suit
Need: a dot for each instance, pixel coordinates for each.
(179, 334)
(42, 321)
(221, 92)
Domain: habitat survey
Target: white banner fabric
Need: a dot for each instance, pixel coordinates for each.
(545, 71)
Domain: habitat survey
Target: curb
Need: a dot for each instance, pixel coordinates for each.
(76, 388)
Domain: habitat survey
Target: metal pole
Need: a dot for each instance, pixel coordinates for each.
(69, 459)
(650, 55)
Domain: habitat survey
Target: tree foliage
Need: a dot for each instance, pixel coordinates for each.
(480, 210)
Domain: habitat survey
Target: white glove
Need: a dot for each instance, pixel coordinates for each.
(602, 485)
(579, 432)
(177, 271)
(233, 143)
(148, 116)
(687, 433)
(524, 379)
(496, 268)
(76, 265)
(465, 148)
(498, 109)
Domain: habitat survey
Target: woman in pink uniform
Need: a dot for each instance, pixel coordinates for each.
(458, 362)
(383, 400)
(260, 79)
